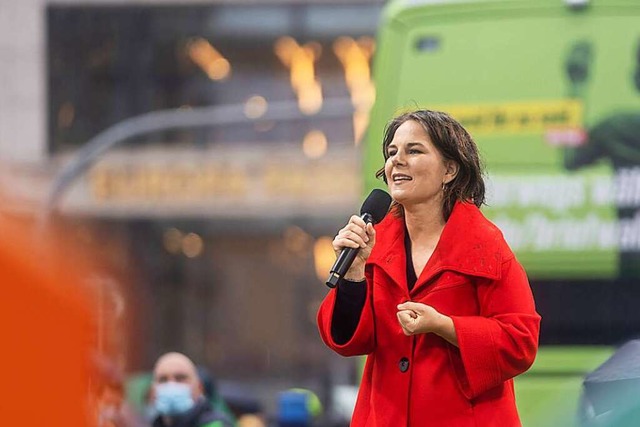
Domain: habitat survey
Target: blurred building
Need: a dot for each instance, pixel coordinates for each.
(235, 157)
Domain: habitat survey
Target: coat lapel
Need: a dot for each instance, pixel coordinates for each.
(470, 244)
(388, 252)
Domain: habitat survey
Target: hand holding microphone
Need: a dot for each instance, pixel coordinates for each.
(359, 236)
(354, 242)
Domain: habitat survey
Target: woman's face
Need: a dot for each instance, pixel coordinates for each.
(415, 169)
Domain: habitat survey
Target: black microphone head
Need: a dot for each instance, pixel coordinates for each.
(377, 205)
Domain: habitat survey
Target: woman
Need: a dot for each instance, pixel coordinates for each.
(435, 297)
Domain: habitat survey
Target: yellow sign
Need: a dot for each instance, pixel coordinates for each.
(206, 181)
(163, 182)
(517, 117)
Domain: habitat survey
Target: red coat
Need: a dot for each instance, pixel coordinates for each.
(422, 380)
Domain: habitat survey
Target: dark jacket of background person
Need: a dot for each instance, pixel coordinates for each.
(201, 415)
(474, 278)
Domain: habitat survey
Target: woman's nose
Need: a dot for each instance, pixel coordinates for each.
(398, 159)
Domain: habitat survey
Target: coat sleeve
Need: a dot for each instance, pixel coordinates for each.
(363, 339)
(502, 341)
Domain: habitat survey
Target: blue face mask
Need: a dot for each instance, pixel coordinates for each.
(173, 398)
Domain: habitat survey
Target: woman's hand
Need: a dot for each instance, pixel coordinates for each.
(356, 234)
(417, 318)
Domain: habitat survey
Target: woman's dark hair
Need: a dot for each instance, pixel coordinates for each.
(454, 143)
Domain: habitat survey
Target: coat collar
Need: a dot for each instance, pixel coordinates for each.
(469, 244)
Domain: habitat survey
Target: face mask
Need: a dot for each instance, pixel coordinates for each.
(173, 398)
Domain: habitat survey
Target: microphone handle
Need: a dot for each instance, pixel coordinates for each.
(345, 259)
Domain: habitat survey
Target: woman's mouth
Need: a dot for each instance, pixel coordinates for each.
(399, 178)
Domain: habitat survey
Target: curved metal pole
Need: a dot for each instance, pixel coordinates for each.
(172, 119)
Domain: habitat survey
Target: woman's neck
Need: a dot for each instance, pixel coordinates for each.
(424, 223)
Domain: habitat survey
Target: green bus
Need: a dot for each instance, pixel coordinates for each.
(550, 90)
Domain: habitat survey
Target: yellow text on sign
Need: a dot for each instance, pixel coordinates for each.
(517, 117)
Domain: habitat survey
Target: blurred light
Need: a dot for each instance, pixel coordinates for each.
(284, 48)
(310, 98)
(314, 144)
(355, 58)
(363, 95)
(185, 107)
(192, 245)
(323, 257)
(219, 69)
(360, 124)
(255, 107)
(301, 63)
(66, 115)
(302, 70)
(172, 240)
(201, 52)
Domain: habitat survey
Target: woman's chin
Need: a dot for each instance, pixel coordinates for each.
(409, 199)
(400, 196)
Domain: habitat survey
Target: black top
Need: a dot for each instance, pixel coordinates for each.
(411, 272)
(352, 296)
(200, 415)
(346, 313)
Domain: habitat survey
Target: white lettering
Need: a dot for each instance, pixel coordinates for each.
(630, 234)
(556, 192)
(627, 185)
(538, 233)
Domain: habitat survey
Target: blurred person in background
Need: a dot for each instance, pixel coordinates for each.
(435, 297)
(177, 395)
(212, 393)
(298, 407)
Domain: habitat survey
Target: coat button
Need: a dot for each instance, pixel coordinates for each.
(403, 364)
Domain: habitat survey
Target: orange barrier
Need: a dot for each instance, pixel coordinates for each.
(47, 332)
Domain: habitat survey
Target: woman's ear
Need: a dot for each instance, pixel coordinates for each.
(452, 168)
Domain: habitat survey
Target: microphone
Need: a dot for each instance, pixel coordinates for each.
(373, 210)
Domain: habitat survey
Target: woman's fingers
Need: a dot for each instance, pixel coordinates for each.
(371, 233)
(356, 237)
(358, 226)
(353, 235)
(348, 239)
(413, 306)
(355, 219)
(407, 319)
(419, 318)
